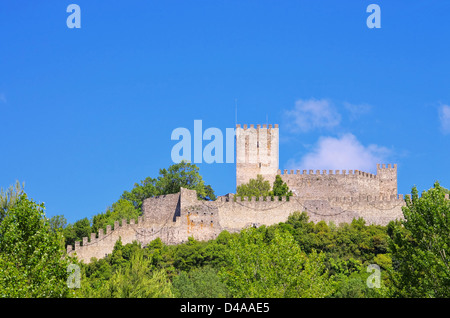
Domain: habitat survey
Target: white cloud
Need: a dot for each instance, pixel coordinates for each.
(312, 113)
(341, 153)
(357, 110)
(444, 117)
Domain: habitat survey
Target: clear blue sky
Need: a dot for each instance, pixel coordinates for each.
(85, 113)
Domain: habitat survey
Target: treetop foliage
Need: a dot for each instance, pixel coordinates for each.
(420, 245)
(32, 262)
(183, 174)
(9, 197)
(260, 187)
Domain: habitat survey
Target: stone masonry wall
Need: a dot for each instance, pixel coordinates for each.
(204, 220)
(235, 215)
(340, 183)
(320, 183)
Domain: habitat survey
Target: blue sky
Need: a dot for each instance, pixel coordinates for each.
(85, 113)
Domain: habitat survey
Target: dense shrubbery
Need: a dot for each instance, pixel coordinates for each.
(292, 259)
(274, 261)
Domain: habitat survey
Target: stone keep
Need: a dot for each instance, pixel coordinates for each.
(256, 152)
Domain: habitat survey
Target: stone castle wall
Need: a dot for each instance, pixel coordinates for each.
(204, 220)
(341, 183)
(336, 183)
(337, 196)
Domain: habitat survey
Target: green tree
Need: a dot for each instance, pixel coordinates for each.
(255, 187)
(189, 255)
(9, 197)
(419, 245)
(260, 187)
(202, 282)
(280, 188)
(301, 226)
(355, 286)
(271, 264)
(78, 230)
(57, 223)
(186, 175)
(140, 192)
(133, 280)
(183, 174)
(122, 209)
(32, 262)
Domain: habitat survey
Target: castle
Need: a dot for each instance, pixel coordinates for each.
(338, 196)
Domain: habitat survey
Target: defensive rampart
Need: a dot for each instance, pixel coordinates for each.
(341, 183)
(182, 215)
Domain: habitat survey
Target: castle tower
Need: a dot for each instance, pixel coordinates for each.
(256, 152)
(387, 178)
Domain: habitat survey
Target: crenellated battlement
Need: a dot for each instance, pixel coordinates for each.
(369, 198)
(259, 199)
(277, 199)
(266, 201)
(258, 126)
(102, 234)
(326, 172)
(389, 166)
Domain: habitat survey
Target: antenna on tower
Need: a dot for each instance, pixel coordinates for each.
(235, 114)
